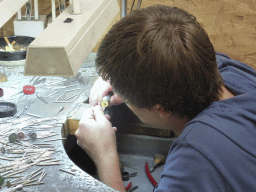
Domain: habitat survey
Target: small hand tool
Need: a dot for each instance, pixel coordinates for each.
(60, 109)
(159, 159)
(25, 108)
(106, 100)
(28, 10)
(13, 43)
(105, 104)
(128, 186)
(150, 177)
(42, 99)
(133, 174)
(9, 46)
(13, 189)
(134, 188)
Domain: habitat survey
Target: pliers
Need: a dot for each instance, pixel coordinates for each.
(150, 177)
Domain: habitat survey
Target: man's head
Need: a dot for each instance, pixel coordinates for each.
(161, 55)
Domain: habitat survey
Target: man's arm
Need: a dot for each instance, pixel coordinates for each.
(97, 137)
(109, 172)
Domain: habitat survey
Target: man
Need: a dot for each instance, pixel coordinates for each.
(161, 63)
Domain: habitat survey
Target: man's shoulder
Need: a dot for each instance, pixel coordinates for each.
(238, 76)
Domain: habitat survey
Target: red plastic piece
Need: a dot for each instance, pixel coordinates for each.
(150, 177)
(128, 186)
(29, 89)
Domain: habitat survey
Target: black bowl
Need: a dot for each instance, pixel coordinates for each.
(7, 109)
(15, 55)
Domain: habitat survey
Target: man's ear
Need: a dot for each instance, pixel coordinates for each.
(161, 112)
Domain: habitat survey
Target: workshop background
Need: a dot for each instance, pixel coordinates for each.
(230, 24)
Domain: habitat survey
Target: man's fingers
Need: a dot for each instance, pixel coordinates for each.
(88, 114)
(100, 89)
(108, 117)
(99, 114)
(115, 129)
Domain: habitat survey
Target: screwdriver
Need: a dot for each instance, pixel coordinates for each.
(159, 159)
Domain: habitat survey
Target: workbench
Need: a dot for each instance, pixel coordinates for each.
(55, 180)
(54, 111)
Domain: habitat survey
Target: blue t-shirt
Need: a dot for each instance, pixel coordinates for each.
(217, 149)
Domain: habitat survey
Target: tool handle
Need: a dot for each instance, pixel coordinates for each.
(150, 177)
(159, 158)
(128, 186)
(7, 41)
(13, 43)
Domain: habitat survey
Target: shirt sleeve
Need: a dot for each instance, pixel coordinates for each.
(238, 76)
(186, 169)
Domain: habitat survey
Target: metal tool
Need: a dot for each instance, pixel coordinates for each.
(42, 99)
(25, 108)
(28, 10)
(61, 108)
(13, 189)
(134, 188)
(159, 159)
(150, 177)
(67, 171)
(133, 174)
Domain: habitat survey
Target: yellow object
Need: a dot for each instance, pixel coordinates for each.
(159, 158)
(9, 46)
(105, 101)
(3, 77)
(13, 43)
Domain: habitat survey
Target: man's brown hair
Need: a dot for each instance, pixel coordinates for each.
(161, 55)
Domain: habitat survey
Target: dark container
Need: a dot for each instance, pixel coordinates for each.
(15, 55)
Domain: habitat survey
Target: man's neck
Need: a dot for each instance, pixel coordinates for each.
(226, 94)
(181, 123)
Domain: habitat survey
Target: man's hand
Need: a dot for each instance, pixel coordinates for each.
(100, 89)
(96, 134)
